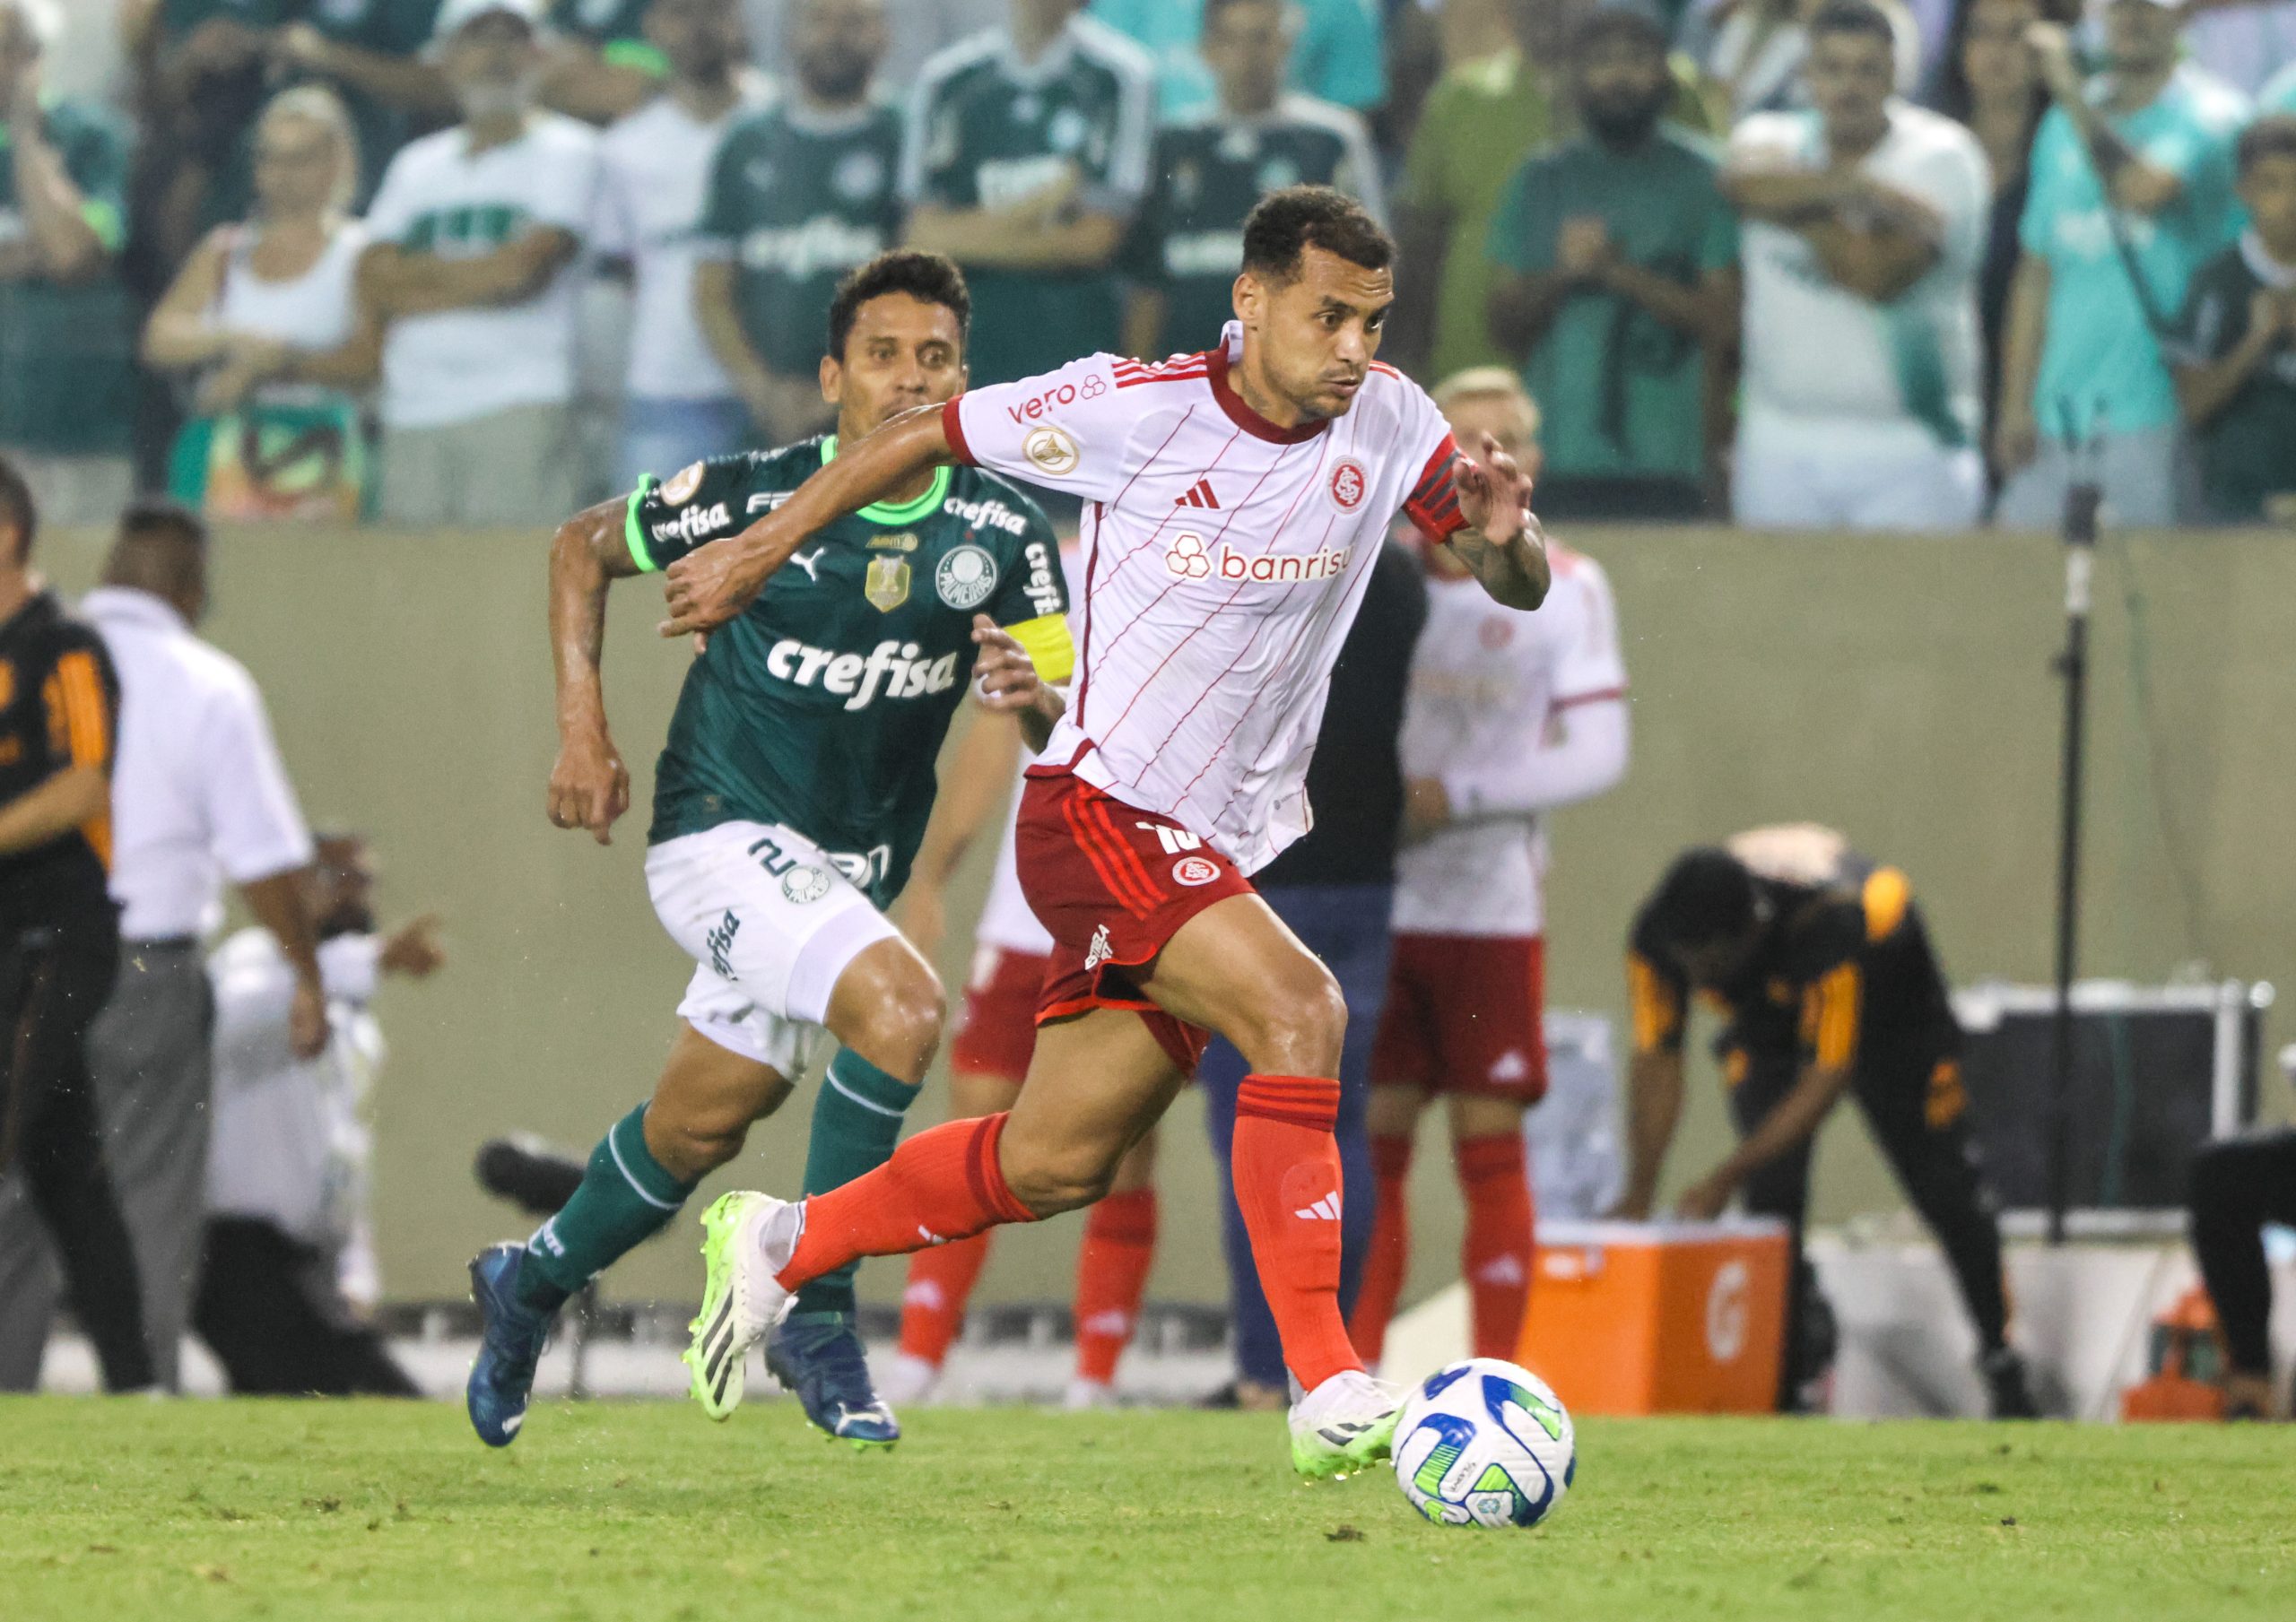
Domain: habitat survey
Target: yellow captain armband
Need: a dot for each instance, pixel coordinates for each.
(1049, 649)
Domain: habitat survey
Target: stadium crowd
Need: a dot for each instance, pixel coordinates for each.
(1841, 264)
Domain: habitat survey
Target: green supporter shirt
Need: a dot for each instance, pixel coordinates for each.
(1621, 392)
(986, 130)
(1187, 241)
(67, 353)
(824, 706)
(2247, 450)
(2100, 356)
(796, 199)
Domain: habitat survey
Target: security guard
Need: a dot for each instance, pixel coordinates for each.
(60, 937)
(1820, 962)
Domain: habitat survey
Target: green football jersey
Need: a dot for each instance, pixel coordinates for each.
(1211, 171)
(985, 131)
(823, 705)
(798, 199)
(67, 350)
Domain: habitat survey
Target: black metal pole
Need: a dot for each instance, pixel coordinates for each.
(2081, 502)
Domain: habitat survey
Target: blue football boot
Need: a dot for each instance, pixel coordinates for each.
(511, 1336)
(818, 1356)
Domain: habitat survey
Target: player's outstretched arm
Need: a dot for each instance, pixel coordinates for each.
(1009, 683)
(589, 787)
(1502, 545)
(711, 583)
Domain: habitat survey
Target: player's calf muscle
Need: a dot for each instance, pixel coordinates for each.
(704, 1104)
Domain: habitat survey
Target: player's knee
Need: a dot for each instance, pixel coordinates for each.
(903, 1031)
(1050, 1179)
(1300, 1027)
(691, 1144)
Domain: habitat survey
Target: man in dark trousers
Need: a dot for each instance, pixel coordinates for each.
(1822, 964)
(60, 938)
(2239, 1185)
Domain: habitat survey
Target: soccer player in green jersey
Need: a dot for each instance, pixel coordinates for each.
(788, 803)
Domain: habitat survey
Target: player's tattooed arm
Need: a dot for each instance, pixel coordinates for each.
(712, 583)
(589, 785)
(1502, 545)
(1009, 683)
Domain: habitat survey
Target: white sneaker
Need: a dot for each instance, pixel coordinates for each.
(1084, 1395)
(910, 1382)
(746, 1239)
(1344, 1426)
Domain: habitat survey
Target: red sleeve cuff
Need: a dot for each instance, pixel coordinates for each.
(1433, 506)
(1596, 697)
(953, 424)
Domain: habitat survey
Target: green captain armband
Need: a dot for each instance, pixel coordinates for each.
(1047, 642)
(633, 534)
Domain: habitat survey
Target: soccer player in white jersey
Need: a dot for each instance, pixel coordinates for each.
(1510, 716)
(1865, 226)
(1235, 501)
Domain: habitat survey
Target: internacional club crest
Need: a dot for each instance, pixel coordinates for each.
(1349, 485)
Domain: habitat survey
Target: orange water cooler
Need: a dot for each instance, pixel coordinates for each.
(1659, 1317)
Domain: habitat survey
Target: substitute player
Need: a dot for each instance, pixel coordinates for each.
(787, 805)
(1236, 500)
(1821, 964)
(1510, 716)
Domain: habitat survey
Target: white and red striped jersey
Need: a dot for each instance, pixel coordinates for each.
(1491, 688)
(1226, 558)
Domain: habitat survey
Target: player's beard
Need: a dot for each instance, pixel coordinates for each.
(838, 75)
(1622, 126)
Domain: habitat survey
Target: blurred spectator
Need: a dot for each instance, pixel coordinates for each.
(654, 165)
(1025, 154)
(289, 1160)
(1990, 82)
(1338, 52)
(2239, 1184)
(2279, 93)
(59, 955)
(201, 69)
(801, 192)
(1865, 226)
(2105, 266)
(198, 794)
(266, 317)
(1622, 286)
(2235, 350)
(66, 335)
(2242, 41)
(916, 31)
(475, 229)
(600, 64)
(1482, 120)
(370, 53)
(1210, 170)
(1761, 46)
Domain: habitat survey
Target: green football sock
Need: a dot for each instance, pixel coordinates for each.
(624, 1198)
(856, 1123)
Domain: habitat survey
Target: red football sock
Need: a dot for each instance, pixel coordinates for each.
(1390, 1254)
(942, 1184)
(932, 1306)
(1111, 1275)
(1496, 1254)
(1286, 1169)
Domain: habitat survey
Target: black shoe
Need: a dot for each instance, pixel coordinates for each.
(2008, 1396)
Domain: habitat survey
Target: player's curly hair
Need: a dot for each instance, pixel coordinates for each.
(1290, 222)
(927, 278)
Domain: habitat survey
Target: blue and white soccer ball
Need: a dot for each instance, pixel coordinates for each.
(1484, 1443)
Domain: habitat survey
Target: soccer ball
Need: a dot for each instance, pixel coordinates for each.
(1484, 1443)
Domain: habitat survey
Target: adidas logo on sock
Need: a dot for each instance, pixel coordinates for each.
(1500, 1269)
(1200, 495)
(926, 1294)
(1110, 1323)
(1325, 1210)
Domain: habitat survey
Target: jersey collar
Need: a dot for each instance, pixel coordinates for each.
(908, 512)
(1241, 414)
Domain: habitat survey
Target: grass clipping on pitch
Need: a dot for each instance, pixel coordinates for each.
(324, 1509)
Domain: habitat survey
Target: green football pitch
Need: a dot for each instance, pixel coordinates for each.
(317, 1511)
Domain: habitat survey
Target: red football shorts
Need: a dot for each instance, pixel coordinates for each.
(1113, 884)
(1463, 1016)
(998, 1030)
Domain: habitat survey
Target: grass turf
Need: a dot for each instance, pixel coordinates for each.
(194, 1510)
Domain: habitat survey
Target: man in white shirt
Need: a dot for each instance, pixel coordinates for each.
(288, 1159)
(198, 795)
(1510, 716)
(1864, 231)
(655, 169)
(1236, 501)
(476, 230)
